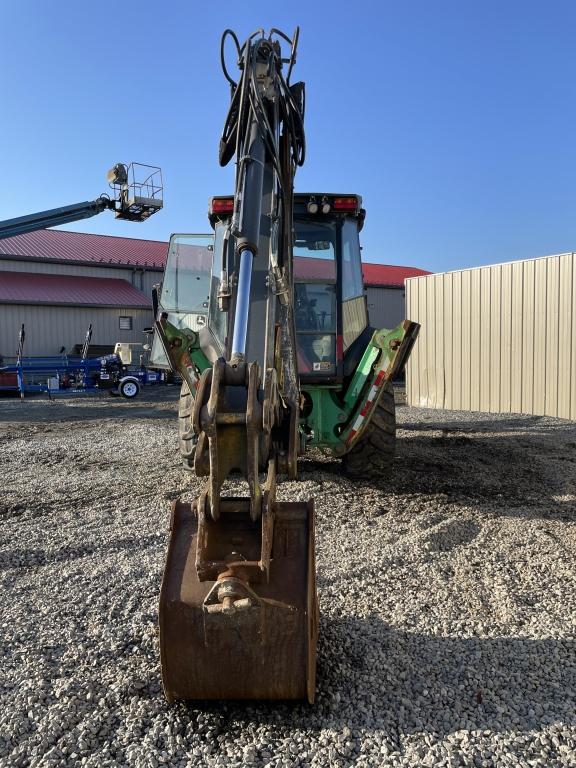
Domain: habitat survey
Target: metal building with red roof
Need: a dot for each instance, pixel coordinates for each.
(57, 282)
(385, 294)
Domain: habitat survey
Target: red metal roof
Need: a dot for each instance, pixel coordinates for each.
(33, 288)
(383, 275)
(61, 245)
(313, 268)
(391, 275)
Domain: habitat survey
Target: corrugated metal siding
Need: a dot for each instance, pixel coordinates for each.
(498, 339)
(385, 306)
(148, 279)
(40, 267)
(49, 328)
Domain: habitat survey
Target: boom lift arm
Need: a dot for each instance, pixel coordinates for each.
(136, 197)
(54, 217)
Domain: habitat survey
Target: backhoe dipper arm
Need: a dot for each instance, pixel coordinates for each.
(252, 393)
(238, 611)
(264, 129)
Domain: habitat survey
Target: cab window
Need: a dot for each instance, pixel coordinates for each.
(354, 317)
(352, 284)
(315, 296)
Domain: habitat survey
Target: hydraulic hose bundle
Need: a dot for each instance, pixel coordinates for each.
(247, 100)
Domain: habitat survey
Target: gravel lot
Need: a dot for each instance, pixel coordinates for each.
(447, 598)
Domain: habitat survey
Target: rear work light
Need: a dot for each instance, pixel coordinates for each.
(345, 203)
(222, 205)
(312, 206)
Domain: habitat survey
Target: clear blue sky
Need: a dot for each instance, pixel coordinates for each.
(455, 120)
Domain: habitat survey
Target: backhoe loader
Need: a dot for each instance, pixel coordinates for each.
(266, 322)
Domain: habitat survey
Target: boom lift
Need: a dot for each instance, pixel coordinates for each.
(266, 322)
(137, 195)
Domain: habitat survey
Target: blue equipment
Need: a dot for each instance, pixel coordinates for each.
(70, 375)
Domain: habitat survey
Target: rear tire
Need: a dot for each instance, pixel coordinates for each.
(187, 445)
(373, 455)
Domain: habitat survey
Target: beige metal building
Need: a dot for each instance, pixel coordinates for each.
(498, 339)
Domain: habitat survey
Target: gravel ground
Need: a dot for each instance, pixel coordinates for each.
(447, 598)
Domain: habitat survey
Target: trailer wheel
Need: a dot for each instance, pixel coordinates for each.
(373, 455)
(186, 441)
(129, 388)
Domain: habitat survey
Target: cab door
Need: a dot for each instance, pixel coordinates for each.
(185, 294)
(315, 298)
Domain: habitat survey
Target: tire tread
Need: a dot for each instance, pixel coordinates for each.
(373, 455)
(187, 445)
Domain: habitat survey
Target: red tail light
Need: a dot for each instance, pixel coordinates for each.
(345, 204)
(222, 205)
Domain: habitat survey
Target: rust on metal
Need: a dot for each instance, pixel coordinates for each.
(261, 641)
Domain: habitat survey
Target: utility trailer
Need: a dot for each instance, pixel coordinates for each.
(74, 374)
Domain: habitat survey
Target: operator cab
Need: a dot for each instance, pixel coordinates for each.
(330, 307)
(329, 302)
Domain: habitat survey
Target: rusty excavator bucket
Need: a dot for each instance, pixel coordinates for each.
(238, 607)
(228, 637)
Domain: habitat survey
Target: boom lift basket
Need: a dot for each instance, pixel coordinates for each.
(138, 190)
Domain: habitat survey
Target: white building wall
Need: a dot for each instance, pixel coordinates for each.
(498, 339)
(148, 279)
